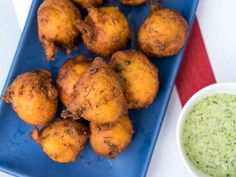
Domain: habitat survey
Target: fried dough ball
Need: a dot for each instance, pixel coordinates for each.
(88, 3)
(110, 141)
(133, 2)
(98, 95)
(140, 77)
(68, 76)
(104, 30)
(62, 140)
(56, 26)
(33, 97)
(163, 33)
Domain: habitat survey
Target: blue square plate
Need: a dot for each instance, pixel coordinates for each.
(21, 156)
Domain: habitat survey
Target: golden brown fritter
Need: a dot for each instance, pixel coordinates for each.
(110, 141)
(163, 33)
(62, 140)
(98, 95)
(88, 3)
(56, 26)
(68, 76)
(140, 77)
(104, 30)
(133, 2)
(33, 97)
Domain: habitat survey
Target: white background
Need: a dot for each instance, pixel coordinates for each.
(217, 20)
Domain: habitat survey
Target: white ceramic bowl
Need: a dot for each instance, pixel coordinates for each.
(209, 90)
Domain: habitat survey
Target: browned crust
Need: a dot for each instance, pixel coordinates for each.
(95, 34)
(88, 3)
(133, 2)
(133, 103)
(161, 47)
(63, 76)
(50, 43)
(76, 108)
(114, 149)
(72, 127)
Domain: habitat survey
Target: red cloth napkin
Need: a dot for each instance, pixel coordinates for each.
(195, 71)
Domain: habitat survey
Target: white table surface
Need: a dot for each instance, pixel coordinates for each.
(218, 26)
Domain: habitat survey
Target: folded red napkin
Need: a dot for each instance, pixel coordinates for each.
(195, 71)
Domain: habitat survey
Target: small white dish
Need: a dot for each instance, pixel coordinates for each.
(207, 91)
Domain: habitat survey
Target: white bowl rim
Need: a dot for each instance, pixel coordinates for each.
(227, 87)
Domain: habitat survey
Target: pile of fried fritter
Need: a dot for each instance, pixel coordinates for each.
(93, 91)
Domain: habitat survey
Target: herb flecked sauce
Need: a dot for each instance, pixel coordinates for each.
(209, 135)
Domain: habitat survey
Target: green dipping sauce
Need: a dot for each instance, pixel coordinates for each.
(209, 135)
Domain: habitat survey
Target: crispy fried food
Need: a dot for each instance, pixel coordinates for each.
(56, 26)
(68, 76)
(163, 33)
(133, 2)
(110, 141)
(140, 77)
(104, 30)
(98, 95)
(62, 140)
(88, 3)
(33, 97)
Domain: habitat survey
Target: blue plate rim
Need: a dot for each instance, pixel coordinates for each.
(157, 130)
